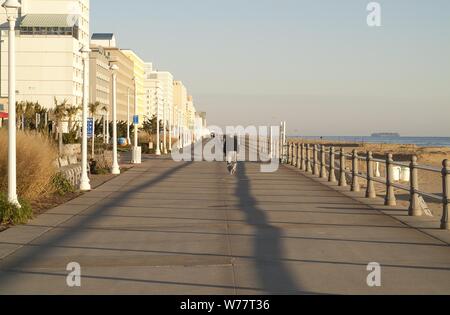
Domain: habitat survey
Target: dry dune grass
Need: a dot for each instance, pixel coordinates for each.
(36, 156)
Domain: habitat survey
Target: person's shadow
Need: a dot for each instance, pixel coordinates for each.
(273, 274)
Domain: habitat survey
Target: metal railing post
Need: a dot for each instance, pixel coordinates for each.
(342, 175)
(308, 159)
(294, 154)
(286, 154)
(289, 149)
(355, 172)
(370, 192)
(303, 164)
(315, 161)
(323, 168)
(390, 193)
(299, 154)
(414, 205)
(332, 175)
(302, 157)
(445, 225)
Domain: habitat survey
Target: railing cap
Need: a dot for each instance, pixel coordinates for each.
(446, 164)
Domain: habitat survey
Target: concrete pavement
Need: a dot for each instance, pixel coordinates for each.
(190, 228)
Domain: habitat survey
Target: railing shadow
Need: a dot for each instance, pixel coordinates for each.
(13, 263)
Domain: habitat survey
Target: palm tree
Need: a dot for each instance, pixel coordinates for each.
(150, 125)
(20, 111)
(37, 110)
(72, 112)
(105, 110)
(28, 114)
(60, 112)
(93, 109)
(43, 112)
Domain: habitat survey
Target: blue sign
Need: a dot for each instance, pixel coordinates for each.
(136, 119)
(90, 127)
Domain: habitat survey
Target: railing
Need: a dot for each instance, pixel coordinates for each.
(312, 159)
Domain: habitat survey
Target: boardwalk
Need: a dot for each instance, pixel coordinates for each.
(190, 228)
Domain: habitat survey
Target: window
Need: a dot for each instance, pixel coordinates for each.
(68, 31)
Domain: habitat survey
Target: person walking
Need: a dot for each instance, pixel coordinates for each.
(230, 148)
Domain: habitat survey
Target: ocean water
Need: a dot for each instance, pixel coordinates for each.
(419, 141)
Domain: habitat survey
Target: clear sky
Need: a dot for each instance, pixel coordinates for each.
(314, 63)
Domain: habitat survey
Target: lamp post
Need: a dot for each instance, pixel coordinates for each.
(84, 181)
(128, 115)
(115, 167)
(104, 126)
(165, 126)
(136, 150)
(158, 149)
(107, 127)
(180, 145)
(170, 128)
(12, 12)
(183, 138)
(283, 141)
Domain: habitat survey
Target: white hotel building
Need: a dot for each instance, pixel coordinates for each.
(50, 34)
(165, 80)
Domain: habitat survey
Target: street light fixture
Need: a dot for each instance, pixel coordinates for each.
(12, 12)
(84, 182)
(115, 167)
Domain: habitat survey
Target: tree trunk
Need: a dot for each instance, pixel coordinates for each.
(55, 128)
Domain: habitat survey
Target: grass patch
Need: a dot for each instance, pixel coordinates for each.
(12, 215)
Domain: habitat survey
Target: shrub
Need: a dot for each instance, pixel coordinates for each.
(36, 157)
(71, 137)
(62, 185)
(10, 214)
(103, 161)
(144, 137)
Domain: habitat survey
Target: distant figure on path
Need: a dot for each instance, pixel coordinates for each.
(230, 145)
